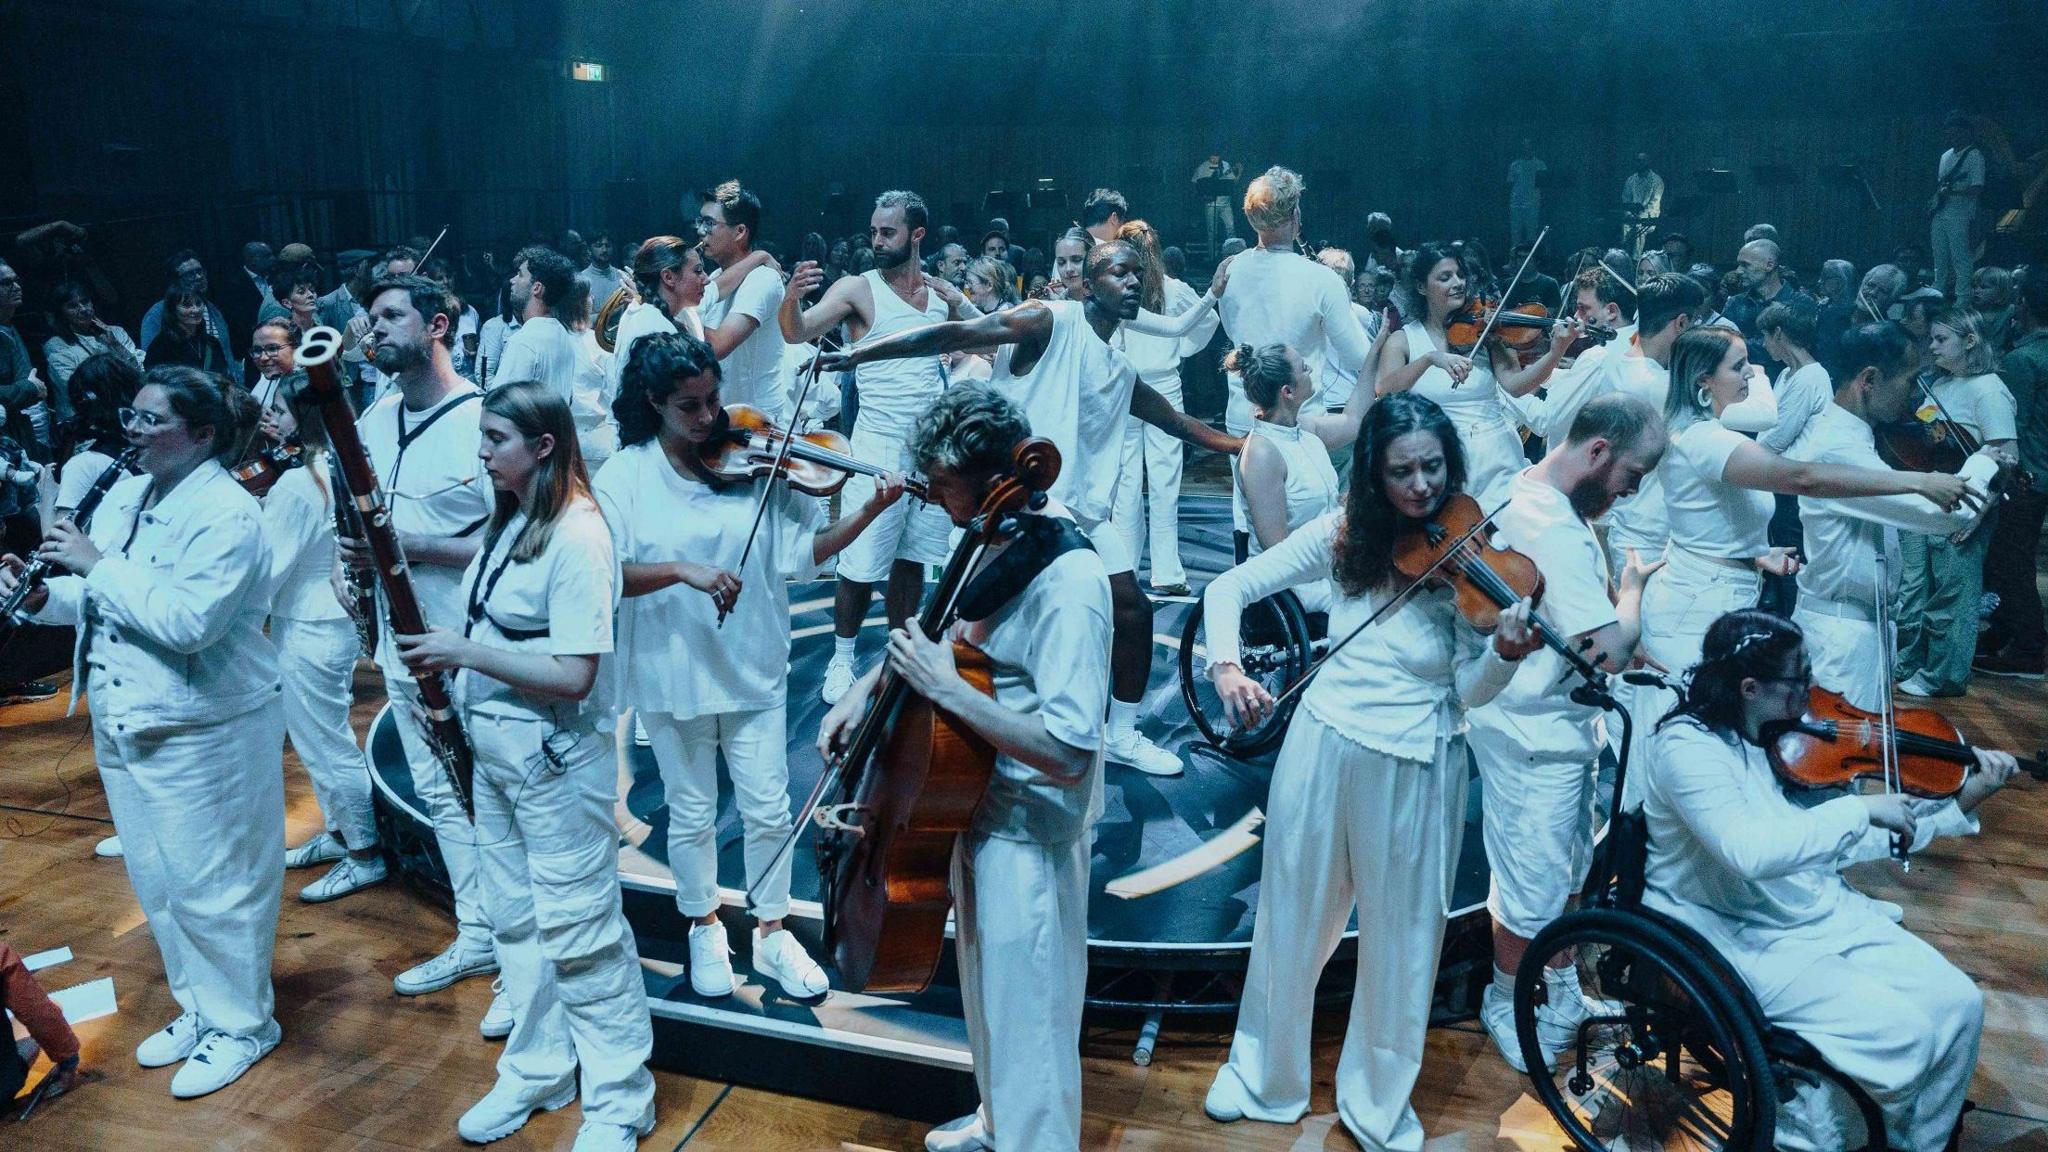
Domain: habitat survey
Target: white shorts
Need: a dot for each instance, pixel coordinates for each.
(1537, 817)
(1109, 544)
(909, 529)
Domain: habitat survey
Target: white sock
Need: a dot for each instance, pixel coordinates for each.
(1504, 984)
(842, 647)
(1563, 980)
(1123, 719)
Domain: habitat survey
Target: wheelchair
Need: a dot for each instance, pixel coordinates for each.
(1279, 639)
(1684, 1057)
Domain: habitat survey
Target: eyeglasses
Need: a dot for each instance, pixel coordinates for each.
(267, 349)
(140, 418)
(707, 223)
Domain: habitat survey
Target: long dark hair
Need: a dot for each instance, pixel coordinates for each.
(61, 297)
(209, 400)
(558, 481)
(657, 254)
(1424, 260)
(102, 385)
(1365, 547)
(1746, 644)
(658, 363)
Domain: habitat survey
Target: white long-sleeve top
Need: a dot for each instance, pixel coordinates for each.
(1158, 358)
(1801, 393)
(1398, 688)
(170, 620)
(1844, 537)
(1757, 875)
(298, 521)
(1276, 297)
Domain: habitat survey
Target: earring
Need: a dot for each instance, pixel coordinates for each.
(1701, 395)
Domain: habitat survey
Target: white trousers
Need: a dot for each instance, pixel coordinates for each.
(1846, 656)
(316, 660)
(453, 832)
(1021, 933)
(1347, 827)
(1682, 600)
(1538, 823)
(756, 747)
(200, 813)
(1148, 493)
(1893, 1014)
(1949, 236)
(550, 863)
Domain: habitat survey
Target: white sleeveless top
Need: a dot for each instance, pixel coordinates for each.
(1474, 404)
(1311, 491)
(1078, 395)
(894, 393)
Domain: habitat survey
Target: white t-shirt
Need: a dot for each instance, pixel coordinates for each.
(1522, 178)
(752, 372)
(641, 319)
(434, 486)
(544, 350)
(298, 520)
(567, 592)
(1540, 522)
(1968, 178)
(1050, 650)
(1707, 515)
(1077, 395)
(80, 471)
(490, 346)
(672, 655)
(1981, 404)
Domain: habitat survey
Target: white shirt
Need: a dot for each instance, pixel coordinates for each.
(436, 486)
(1522, 175)
(640, 319)
(171, 617)
(490, 346)
(1540, 522)
(1646, 189)
(1964, 182)
(1844, 537)
(1157, 358)
(569, 592)
(542, 349)
(81, 472)
(1707, 515)
(298, 520)
(1050, 650)
(1756, 874)
(1801, 393)
(672, 656)
(753, 370)
(1276, 297)
(1403, 685)
(1982, 404)
(1078, 395)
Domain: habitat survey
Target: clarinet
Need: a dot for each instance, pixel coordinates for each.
(38, 569)
(444, 735)
(362, 592)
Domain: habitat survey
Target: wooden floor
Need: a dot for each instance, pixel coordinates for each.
(362, 1068)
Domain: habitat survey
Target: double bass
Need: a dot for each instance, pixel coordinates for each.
(911, 777)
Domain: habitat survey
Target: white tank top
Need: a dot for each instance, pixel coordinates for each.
(1311, 488)
(1078, 395)
(894, 393)
(1475, 403)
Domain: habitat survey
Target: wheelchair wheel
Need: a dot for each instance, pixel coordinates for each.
(1276, 647)
(1671, 1058)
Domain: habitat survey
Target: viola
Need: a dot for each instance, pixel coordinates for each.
(1836, 744)
(266, 466)
(748, 445)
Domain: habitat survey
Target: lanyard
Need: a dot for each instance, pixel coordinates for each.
(480, 590)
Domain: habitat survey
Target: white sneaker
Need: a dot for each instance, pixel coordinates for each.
(220, 1060)
(1497, 1013)
(838, 679)
(170, 1044)
(321, 849)
(497, 1021)
(444, 970)
(1916, 685)
(505, 1108)
(1218, 1106)
(640, 737)
(349, 874)
(1140, 753)
(967, 1134)
(595, 1136)
(711, 961)
(779, 955)
(108, 849)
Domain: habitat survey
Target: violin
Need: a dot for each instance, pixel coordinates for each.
(1520, 329)
(1836, 743)
(267, 465)
(748, 445)
(1455, 548)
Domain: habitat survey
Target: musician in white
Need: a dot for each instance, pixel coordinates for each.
(702, 683)
(317, 649)
(1536, 747)
(1838, 588)
(1758, 876)
(1368, 797)
(1020, 875)
(422, 440)
(168, 591)
(740, 325)
(538, 618)
(892, 297)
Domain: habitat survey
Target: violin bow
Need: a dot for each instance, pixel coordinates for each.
(774, 471)
(1863, 299)
(1887, 736)
(430, 248)
(1487, 329)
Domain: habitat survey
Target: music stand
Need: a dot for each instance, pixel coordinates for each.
(1773, 175)
(1715, 181)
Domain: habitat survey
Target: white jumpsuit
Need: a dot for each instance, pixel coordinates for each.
(188, 729)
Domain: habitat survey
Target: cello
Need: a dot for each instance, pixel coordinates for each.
(910, 778)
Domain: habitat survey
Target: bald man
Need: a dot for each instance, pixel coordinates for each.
(1763, 285)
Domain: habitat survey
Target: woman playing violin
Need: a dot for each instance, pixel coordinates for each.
(1368, 795)
(1467, 384)
(1755, 874)
(700, 688)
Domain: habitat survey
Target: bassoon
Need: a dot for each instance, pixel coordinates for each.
(443, 729)
(362, 592)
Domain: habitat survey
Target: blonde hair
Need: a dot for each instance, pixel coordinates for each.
(1980, 357)
(1271, 200)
